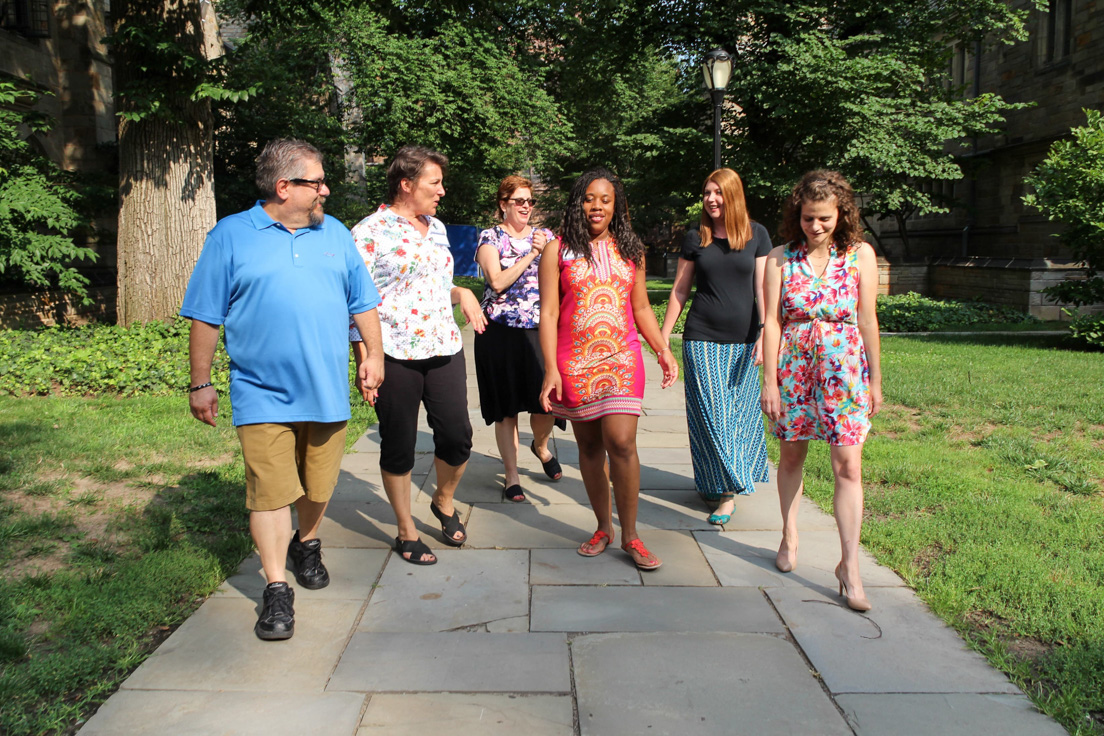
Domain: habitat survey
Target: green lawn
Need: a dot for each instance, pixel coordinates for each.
(117, 517)
(984, 485)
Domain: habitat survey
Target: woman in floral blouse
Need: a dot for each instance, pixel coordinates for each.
(822, 375)
(406, 250)
(508, 363)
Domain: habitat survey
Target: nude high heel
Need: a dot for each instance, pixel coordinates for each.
(786, 563)
(854, 603)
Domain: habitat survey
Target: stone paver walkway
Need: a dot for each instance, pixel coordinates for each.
(517, 634)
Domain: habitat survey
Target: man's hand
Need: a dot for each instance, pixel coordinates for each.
(204, 405)
(369, 376)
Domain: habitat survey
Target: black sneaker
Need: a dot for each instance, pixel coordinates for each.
(306, 561)
(277, 619)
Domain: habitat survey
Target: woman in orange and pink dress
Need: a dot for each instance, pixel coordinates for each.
(593, 303)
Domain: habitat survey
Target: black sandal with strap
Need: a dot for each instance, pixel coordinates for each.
(513, 493)
(449, 526)
(417, 549)
(551, 467)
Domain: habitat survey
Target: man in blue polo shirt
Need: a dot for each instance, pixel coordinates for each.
(283, 279)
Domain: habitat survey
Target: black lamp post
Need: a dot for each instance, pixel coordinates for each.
(717, 68)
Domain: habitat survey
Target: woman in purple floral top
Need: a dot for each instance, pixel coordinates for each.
(508, 362)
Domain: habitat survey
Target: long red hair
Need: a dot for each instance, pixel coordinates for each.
(736, 219)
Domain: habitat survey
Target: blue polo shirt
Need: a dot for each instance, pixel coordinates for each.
(285, 299)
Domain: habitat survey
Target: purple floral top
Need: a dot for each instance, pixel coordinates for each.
(519, 304)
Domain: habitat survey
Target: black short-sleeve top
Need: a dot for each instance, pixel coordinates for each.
(723, 309)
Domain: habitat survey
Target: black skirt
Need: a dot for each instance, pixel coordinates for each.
(509, 369)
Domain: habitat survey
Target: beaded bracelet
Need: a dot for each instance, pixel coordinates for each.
(193, 389)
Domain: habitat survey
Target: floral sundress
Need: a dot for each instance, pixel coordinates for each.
(823, 376)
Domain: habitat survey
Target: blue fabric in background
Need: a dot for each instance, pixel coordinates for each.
(462, 242)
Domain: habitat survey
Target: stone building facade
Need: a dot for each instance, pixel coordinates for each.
(990, 246)
(56, 47)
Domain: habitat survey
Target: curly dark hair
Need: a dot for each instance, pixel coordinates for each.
(818, 186)
(575, 234)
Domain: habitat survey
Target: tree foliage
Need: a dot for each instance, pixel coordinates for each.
(38, 206)
(1069, 187)
(554, 88)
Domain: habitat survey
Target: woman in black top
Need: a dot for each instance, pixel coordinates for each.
(722, 343)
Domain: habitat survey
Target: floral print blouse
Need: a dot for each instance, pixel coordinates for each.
(519, 304)
(413, 273)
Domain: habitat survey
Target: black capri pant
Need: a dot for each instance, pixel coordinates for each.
(440, 383)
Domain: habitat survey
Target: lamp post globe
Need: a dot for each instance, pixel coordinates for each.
(717, 69)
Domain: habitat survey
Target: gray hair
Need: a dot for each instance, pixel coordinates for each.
(408, 164)
(283, 158)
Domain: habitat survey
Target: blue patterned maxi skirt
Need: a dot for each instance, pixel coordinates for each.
(725, 421)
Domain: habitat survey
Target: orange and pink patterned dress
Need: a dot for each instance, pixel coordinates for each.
(823, 376)
(597, 348)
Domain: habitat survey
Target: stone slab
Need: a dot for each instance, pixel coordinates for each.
(366, 484)
(483, 480)
(665, 477)
(759, 511)
(568, 567)
(359, 524)
(697, 685)
(945, 714)
(660, 424)
(353, 572)
(525, 526)
(624, 608)
(898, 647)
(474, 714)
(683, 562)
(467, 589)
(672, 510)
(201, 713)
(453, 662)
(746, 559)
(215, 649)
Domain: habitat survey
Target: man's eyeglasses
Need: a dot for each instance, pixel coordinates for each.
(315, 184)
(519, 202)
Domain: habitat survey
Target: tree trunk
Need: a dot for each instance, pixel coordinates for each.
(166, 169)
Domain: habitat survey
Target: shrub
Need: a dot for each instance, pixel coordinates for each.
(912, 312)
(1086, 330)
(149, 359)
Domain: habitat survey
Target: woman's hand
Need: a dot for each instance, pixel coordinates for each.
(472, 311)
(771, 401)
(757, 351)
(552, 384)
(540, 239)
(875, 398)
(670, 367)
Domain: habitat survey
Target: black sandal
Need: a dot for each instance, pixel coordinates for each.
(449, 526)
(416, 548)
(513, 493)
(552, 467)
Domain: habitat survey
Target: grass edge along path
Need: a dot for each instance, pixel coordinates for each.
(983, 479)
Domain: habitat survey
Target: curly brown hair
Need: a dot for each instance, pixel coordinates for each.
(819, 186)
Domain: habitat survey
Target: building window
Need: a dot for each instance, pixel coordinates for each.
(30, 18)
(1055, 31)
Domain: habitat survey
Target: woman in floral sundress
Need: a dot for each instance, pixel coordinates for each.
(821, 358)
